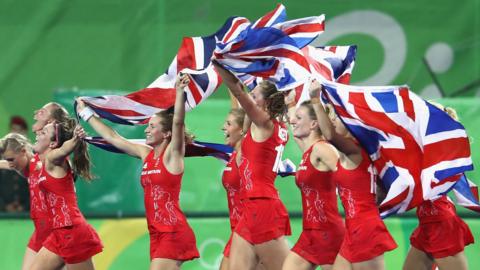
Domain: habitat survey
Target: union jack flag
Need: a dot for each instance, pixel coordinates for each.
(331, 63)
(271, 49)
(192, 58)
(415, 147)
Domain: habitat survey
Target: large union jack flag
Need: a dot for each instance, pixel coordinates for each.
(270, 49)
(415, 147)
(193, 58)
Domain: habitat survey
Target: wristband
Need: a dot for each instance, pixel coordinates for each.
(86, 113)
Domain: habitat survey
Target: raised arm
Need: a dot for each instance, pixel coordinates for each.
(291, 105)
(134, 149)
(175, 151)
(258, 116)
(233, 101)
(58, 155)
(342, 143)
(326, 126)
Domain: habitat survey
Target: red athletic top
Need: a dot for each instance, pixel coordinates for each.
(61, 199)
(319, 200)
(260, 161)
(437, 210)
(357, 190)
(231, 183)
(161, 196)
(38, 204)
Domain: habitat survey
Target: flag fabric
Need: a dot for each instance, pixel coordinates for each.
(304, 30)
(271, 49)
(466, 194)
(287, 168)
(331, 63)
(193, 58)
(415, 147)
(276, 16)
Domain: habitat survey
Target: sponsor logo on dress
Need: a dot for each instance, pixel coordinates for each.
(156, 171)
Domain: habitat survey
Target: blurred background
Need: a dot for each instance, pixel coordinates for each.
(55, 50)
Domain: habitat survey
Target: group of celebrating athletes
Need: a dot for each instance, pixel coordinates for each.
(255, 127)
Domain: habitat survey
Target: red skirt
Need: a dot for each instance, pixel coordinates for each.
(442, 238)
(40, 234)
(75, 244)
(365, 239)
(262, 220)
(179, 245)
(320, 246)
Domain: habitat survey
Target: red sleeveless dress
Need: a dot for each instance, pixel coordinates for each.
(264, 217)
(366, 236)
(440, 232)
(170, 235)
(323, 228)
(72, 238)
(38, 205)
(231, 183)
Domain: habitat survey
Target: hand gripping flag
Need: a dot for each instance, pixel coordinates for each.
(414, 146)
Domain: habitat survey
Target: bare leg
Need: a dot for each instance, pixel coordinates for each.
(295, 261)
(46, 260)
(273, 253)
(455, 262)
(417, 260)
(165, 264)
(377, 263)
(85, 265)
(326, 266)
(224, 263)
(28, 258)
(242, 254)
(341, 263)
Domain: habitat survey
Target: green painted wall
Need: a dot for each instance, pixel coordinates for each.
(110, 44)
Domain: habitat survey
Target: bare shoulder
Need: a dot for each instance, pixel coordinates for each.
(325, 149)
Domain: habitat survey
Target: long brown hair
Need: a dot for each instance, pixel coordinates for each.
(81, 157)
(274, 100)
(166, 120)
